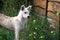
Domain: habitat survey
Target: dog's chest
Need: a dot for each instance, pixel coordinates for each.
(20, 23)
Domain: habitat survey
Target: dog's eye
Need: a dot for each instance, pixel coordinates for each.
(25, 12)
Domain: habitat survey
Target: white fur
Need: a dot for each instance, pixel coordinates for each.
(15, 23)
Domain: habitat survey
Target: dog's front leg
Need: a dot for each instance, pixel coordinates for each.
(16, 33)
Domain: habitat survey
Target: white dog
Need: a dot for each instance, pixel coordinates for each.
(16, 23)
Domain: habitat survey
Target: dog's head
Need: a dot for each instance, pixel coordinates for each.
(25, 11)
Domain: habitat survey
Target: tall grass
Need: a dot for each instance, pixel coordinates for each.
(12, 7)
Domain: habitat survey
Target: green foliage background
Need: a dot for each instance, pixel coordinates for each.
(36, 28)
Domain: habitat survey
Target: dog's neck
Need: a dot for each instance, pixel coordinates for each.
(20, 14)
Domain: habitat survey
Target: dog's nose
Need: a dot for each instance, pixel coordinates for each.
(28, 17)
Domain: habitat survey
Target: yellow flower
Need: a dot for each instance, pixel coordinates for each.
(34, 21)
(41, 36)
(36, 28)
(34, 37)
(30, 34)
(57, 13)
(34, 32)
(52, 31)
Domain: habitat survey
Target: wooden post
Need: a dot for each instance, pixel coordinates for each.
(59, 26)
(46, 11)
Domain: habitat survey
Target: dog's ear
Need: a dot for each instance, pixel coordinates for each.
(29, 7)
(22, 7)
